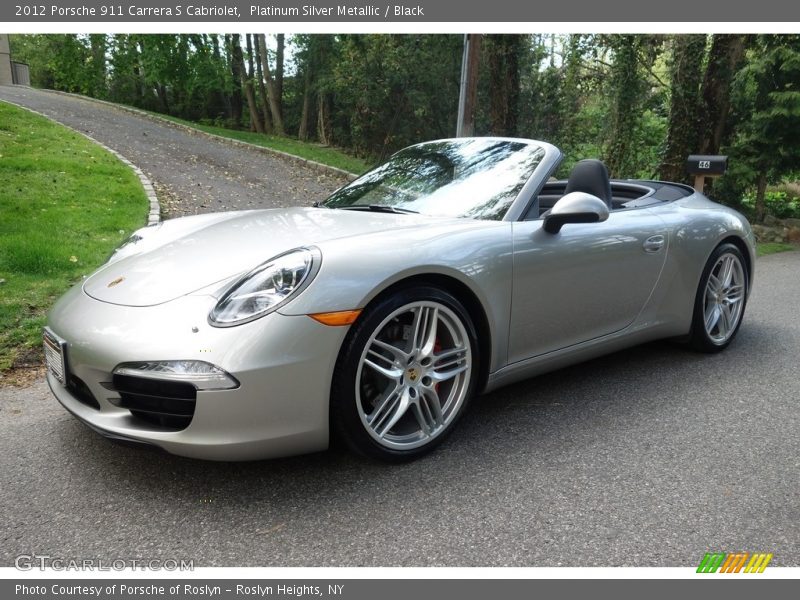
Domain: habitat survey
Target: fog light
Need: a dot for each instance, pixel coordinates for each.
(203, 375)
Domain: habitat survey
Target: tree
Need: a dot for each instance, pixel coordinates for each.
(724, 59)
(234, 50)
(255, 119)
(97, 83)
(572, 86)
(247, 78)
(61, 61)
(768, 90)
(634, 94)
(272, 90)
(385, 99)
(262, 90)
(279, 58)
(503, 56)
(125, 81)
(682, 131)
(627, 87)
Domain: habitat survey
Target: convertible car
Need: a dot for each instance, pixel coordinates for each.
(456, 267)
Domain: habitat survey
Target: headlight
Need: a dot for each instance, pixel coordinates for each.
(266, 288)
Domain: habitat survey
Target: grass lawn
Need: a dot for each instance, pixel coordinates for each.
(65, 204)
(773, 248)
(321, 154)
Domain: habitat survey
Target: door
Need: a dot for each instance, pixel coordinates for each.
(587, 281)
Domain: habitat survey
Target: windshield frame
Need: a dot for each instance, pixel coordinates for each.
(528, 192)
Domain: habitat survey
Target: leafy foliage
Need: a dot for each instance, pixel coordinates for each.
(765, 147)
(640, 102)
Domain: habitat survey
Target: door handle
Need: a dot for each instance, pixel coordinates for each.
(654, 243)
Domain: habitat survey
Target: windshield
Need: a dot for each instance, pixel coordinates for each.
(471, 177)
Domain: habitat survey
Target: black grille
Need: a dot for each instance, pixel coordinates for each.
(81, 392)
(168, 404)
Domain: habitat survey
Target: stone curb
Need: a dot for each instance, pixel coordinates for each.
(317, 166)
(154, 215)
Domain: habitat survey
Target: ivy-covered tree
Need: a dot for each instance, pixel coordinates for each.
(724, 60)
(686, 72)
(627, 89)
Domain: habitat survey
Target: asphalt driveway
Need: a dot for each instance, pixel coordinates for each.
(648, 457)
(193, 173)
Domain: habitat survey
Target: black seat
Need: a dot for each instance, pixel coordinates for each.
(591, 177)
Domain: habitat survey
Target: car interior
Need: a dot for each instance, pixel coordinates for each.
(591, 176)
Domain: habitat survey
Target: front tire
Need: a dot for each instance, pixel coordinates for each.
(720, 301)
(405, 374)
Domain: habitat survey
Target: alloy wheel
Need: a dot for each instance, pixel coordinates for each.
(723, 302)
(413, 375)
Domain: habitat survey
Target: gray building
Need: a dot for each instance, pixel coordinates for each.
(6, 76)
(11, 72)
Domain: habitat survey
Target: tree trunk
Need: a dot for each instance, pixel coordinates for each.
(569, 101)
(132, 46)
(725, 56)
(272, 92)
(235, 53)
(682, 130)
(628, 88)
(162, 96)
(503, 57)
(761, 192)
(255, 118)
(216, 51)
(279, 69)
(249, 91)
(262, 91)
(324, 132)
(250, 64)
(302, 132)
(98, 43)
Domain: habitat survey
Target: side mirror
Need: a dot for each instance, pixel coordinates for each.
(575, 207)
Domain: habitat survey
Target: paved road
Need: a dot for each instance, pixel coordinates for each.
(193, 173)
(647, 457)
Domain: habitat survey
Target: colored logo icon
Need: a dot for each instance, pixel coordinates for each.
(738, 562)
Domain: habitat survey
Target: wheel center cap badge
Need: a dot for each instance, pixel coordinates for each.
(412, 374)
(117, 281)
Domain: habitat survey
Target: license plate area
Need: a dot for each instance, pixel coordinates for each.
(54, 352)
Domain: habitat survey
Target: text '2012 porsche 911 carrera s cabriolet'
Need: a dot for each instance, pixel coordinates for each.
(455, 267)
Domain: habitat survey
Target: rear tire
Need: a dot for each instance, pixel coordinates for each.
(720, 301)
(405, 374)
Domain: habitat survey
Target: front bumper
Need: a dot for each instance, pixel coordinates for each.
(284, 365)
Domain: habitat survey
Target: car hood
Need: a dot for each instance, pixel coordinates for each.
(225, 246)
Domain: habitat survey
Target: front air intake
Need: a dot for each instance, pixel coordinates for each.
(168, 404)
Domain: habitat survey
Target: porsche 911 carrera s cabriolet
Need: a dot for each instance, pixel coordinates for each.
(456, 267)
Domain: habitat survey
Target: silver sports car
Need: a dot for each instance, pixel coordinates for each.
(456, 267)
